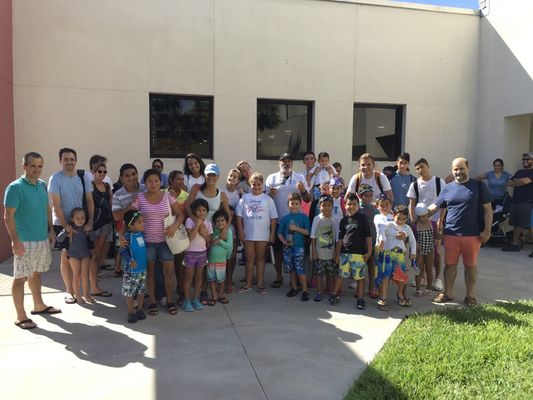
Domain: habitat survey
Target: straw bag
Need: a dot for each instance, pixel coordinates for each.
(180, 241)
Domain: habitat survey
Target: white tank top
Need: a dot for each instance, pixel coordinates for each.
(214, 204)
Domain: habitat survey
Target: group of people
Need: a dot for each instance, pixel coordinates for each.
(320, 230)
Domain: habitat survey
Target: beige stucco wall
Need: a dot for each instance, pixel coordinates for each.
(83, 71)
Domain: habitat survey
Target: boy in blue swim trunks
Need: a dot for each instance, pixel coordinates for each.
(292, 230)
(135, 261)
(354, 247)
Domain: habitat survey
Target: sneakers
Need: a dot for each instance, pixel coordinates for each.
(140, 315)
(196, 304)
(132, 318)
(382, 305)
(305, 296)
(187, 306)
(292, 292)
(511, 247)
(318, 297)
(334, 299)
(361, 305)
(437, 285)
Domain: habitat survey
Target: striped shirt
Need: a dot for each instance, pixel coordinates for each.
(122, 198)
(154, 216)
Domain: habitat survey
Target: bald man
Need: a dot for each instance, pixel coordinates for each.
(466, 226)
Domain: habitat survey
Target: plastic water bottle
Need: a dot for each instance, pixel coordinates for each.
(415, 267)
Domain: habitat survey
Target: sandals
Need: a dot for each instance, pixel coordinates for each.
(373, 294)
(262, 290)
(203, 298)
(223, 300)
(211, 302)
(470, 301)
(152, 309)
(244, 289)
(276, 284)
(382, 305)
(172, 309)
(419, 293)
(442, 298)
(70, 299)
(26, 324)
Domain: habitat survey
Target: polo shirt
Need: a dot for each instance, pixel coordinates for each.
(31, 204)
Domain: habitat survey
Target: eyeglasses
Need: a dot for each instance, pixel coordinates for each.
(102, 171)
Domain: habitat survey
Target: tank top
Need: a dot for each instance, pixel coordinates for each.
(214, 204)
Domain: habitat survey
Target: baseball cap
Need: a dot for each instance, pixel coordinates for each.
(421, 209)
(212, 169)
(365, 189)
(284, 156)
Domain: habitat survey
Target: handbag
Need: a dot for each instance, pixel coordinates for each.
(180, 241)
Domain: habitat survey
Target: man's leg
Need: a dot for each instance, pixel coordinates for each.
(470, 280)
(450, 273)
(17, 291)
(34, 282)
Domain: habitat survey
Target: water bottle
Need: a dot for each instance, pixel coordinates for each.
(290, 235)
(415, 267)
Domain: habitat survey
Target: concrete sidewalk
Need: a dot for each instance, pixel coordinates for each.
(255, 347)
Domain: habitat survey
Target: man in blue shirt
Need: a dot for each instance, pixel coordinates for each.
(467, 226)
(28, 220)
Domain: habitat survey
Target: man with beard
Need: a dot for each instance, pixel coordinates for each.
(520, 217)
(467, 226)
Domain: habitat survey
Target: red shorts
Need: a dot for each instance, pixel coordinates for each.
(467, 246)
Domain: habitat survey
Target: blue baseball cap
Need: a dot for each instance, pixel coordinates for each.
(212, 169)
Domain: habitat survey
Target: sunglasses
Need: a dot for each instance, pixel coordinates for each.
(102, 171)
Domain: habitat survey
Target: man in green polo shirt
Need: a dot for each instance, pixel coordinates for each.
(28, 219)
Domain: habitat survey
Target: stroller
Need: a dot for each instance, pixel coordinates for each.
(500, 214)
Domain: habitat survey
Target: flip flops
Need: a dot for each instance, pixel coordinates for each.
(276, 284)
(47, 310)
(103, 293)
(442, 298)
(70, 299)
(223, 300)
(26, 324)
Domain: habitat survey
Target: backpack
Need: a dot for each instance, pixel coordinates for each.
(359, 176)
(437, 186)
(102, 209)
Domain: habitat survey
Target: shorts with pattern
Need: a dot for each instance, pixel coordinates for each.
(216, 271)
(327, 267)
(391, 265)
(352, 266)
(37, 258)
(195, 259)
(293, 260)
(133, 284)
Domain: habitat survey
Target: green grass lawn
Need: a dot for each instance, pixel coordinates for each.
(481, 352)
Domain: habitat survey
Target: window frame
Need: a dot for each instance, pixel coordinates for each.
(310, 128)
(210, 139)
(399, 121)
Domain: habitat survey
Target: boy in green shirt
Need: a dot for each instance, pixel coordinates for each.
(216, 268)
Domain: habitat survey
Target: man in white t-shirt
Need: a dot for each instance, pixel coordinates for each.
(279, 185)
(368, 176)
(426, 191)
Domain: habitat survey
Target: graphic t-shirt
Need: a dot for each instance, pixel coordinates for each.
(325, 231)
(256, 213)
(353, 231)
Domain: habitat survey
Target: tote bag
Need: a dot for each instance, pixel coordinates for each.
(180, 241)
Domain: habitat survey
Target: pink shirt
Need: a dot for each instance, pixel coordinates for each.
(198, 243)
(154, 216)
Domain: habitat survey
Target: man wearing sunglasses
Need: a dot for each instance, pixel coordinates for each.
(522, 205)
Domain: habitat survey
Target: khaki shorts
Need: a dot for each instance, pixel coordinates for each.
(37, 258)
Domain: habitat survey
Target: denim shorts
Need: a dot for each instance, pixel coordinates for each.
(158, 251)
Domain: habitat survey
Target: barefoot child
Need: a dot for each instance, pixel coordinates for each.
(323, 237)
(425, 246)
(392, 243)
(354, 247)
(80, 244)
(195, 259)
(135, 262)
(216, 269)
(292, 230)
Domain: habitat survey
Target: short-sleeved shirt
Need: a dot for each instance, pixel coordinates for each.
(370, 211)
(427, 191)
(154, 216)
(198, 243)
(189, 181)
(256, 213)
(523, 194)
(31, 208)
(219, 251)
(122, 198)
(325, 231)
(301, 220)
(400, 185)
(464, 203)
(353, 231)
(284, 186)
(70, 190)
(136, 250)
(497, 186)
(385, 184)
